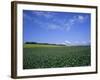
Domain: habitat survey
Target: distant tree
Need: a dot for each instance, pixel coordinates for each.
(31, 43)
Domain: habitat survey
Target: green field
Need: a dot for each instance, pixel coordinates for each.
(52, 56)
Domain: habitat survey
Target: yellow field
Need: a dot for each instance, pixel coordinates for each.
(38, 45)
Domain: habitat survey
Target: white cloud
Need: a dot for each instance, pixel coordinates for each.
(44, 14)
(77, 19)
(27, 16)
(53, 26)
(84, 42)
(71, 21)
(67, 27)
(60, 24)
(80, 17)
(67, 42)
(39, 13)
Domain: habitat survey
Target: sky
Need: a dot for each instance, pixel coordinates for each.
(56, 27)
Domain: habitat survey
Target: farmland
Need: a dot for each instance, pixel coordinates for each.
(52, 56)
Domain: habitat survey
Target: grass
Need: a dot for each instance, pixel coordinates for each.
(52, 56)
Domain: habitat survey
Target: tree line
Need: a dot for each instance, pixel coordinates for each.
(43, 43)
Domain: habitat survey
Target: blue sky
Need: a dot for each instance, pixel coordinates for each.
(56, 27)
